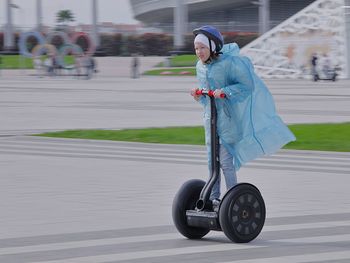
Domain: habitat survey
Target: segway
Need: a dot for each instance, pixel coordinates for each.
(326, 74)
(331, 75)
(241, 213)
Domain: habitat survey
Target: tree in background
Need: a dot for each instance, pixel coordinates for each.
(64, 16)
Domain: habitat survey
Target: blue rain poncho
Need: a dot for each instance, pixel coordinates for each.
(247, 123)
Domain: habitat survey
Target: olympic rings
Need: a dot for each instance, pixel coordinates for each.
(40, 50)
(60, 34)
(91, 49)
(22, 43)
(73, 49)
(45, 46)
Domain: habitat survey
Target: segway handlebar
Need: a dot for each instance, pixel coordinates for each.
(209, 93)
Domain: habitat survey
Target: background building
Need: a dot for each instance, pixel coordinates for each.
(295, 31)
(227, 15)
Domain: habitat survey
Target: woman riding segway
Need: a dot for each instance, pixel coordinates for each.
(246, 126)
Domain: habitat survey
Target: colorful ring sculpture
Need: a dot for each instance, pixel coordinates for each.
(60, 34)
(45, 46)
(91, 49)
(40, 50)
(66, 49)
(22, 43)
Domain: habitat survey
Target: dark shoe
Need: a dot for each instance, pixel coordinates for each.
(208, 206)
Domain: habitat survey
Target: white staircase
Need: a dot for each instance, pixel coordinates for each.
(285, 51)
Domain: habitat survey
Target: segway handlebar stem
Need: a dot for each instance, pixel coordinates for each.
(214, 141)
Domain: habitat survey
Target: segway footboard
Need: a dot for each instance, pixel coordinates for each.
(203, 219)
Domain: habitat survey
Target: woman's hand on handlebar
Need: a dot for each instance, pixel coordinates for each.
(218, 93)
(194, 94)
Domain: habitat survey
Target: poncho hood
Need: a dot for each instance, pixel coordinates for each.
(230, 49)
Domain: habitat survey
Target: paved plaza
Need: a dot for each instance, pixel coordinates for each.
(71, 201)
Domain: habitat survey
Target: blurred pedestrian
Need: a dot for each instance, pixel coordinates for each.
(135, 63)
(78, 64)
(0, 63)
(326, 65)
(38, 66)
(48, 65)
(314, 59)
(247, 123)
(90, 67)
(55, 66)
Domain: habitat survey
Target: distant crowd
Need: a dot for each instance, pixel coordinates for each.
(83, 66)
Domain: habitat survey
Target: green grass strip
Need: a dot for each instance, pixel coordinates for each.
(171, 72)
(322, 137)
(15, 62)
(173, 135)
(184, 61)
(179, 61)
(20, 62)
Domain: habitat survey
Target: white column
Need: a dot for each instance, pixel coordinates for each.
(95, 33)
(180, 23)
(39, 15)
(264, 16)
(185, 18)
(8, 37)
(347, 37)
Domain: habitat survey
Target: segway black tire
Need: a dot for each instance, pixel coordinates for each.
(186, 199)
(242, 213)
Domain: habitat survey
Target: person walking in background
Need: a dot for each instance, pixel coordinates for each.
(48, 64)
(247, 123)
(326, 65)
(314, 59)
(38, 65)
(78, 64)
(90, 67)
(135, 67)
(55, 69)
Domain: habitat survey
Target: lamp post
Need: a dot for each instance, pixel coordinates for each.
(95, 33)
(8, 37)
(39, 16)
(347, 36)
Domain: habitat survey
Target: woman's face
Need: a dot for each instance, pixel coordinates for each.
(202, 51)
